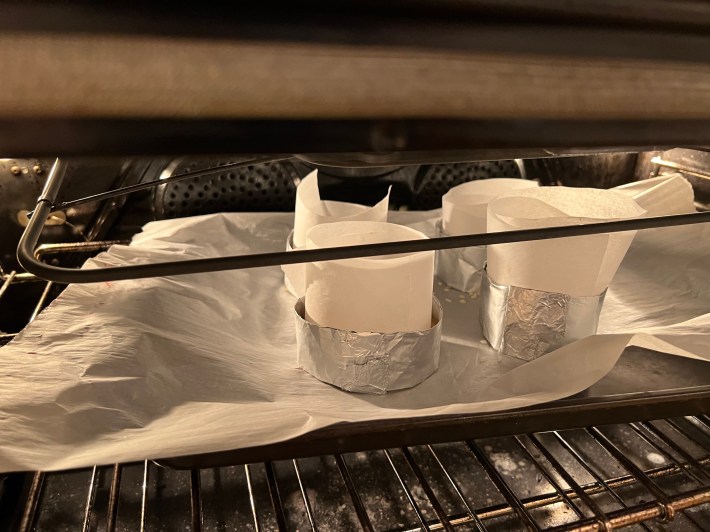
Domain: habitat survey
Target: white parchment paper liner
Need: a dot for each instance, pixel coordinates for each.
(385, 293)
(527, 323)
(171, 366)
(368, 362)
(311, 210)
(460, 268)
(578, 265)
(662, 195)
(463, 207)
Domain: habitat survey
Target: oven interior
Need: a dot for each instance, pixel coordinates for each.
(650, 475)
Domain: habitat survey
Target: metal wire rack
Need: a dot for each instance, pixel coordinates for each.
(47, 202)
(652, 474)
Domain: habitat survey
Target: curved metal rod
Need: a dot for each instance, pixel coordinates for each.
(157, 182)
(30, 237)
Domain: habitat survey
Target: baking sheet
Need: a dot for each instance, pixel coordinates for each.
(123, 371)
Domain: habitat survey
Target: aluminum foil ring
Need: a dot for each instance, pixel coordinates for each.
(370, 362)
(527, 323)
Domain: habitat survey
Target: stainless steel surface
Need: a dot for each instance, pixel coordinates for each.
(150, 184)
(193, 186)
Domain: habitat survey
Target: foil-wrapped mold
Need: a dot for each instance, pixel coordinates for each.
(526, 323)
(368, 362)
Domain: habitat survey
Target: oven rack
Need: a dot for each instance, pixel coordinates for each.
(14, 277)
(598, 478)
(48, 202)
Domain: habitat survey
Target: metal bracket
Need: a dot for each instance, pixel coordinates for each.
(680, 168)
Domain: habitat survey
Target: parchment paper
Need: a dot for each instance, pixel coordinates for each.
(666, 194)
(464, 207)
(124, 371)
(579, 266)
(386, 294)
(311, 211)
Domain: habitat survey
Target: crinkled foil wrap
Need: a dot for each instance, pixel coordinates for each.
(527, 323)
(374, 363)
(460, 268)
(297, 269)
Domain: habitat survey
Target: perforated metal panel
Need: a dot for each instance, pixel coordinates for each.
(434, 181)
(272, 186)
(259, 187)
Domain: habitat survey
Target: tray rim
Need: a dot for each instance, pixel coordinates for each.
(568, 413)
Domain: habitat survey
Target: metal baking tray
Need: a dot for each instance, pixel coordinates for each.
(643, 385)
